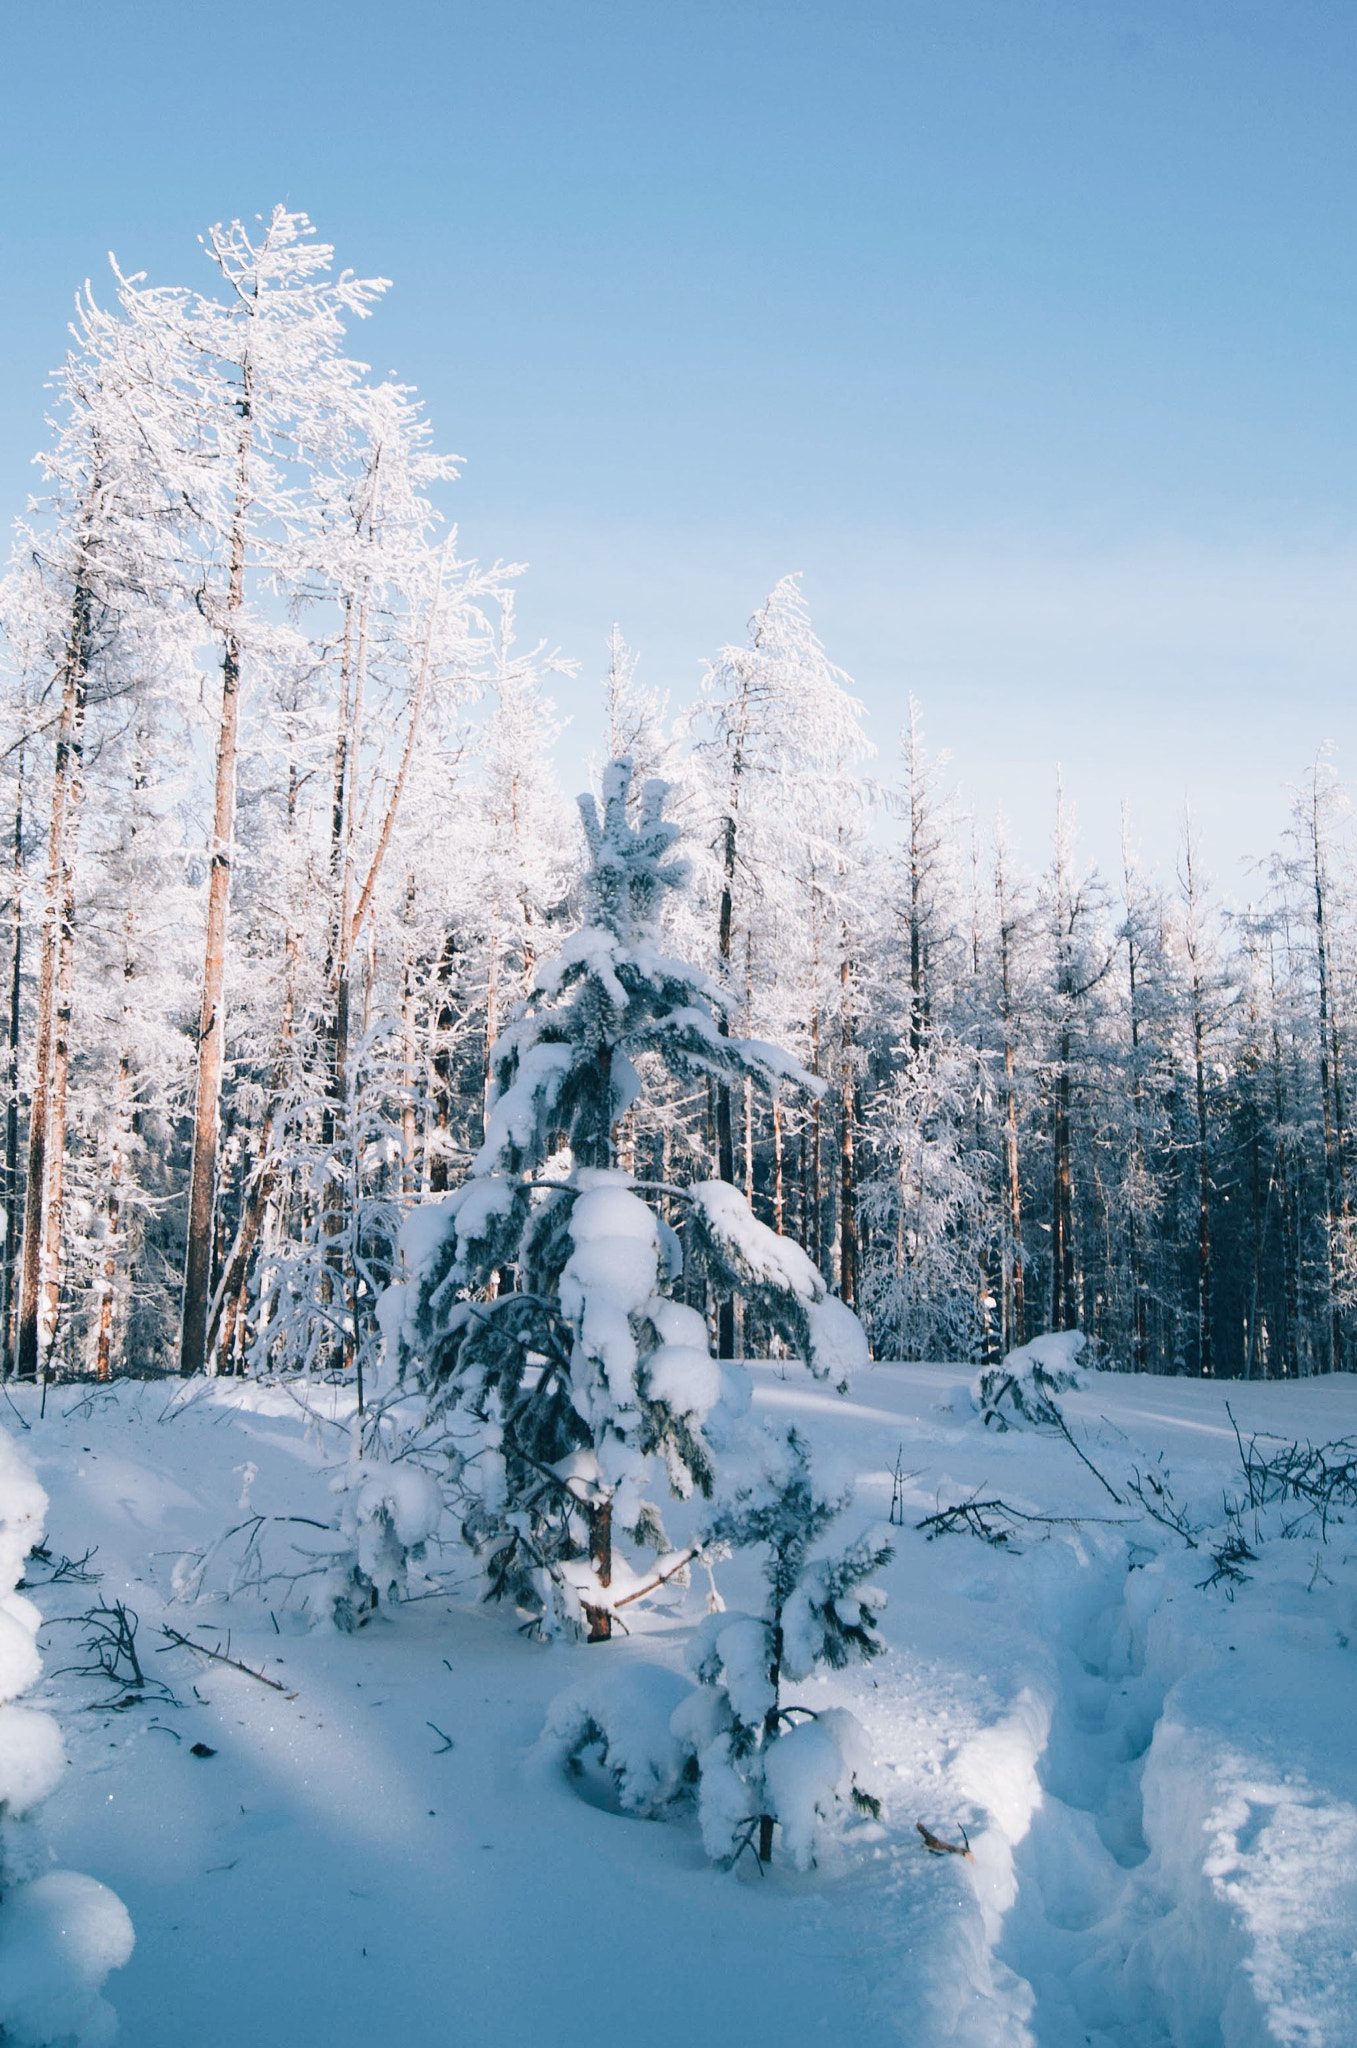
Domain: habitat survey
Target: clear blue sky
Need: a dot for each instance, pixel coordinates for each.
(1024, 329)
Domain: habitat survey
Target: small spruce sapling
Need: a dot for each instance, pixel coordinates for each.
(763, 1761)
(538, 1317)
(1023, 1390)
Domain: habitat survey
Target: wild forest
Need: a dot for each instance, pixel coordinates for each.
(286, 843)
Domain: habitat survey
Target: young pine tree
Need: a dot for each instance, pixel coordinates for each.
(760, 1764)
(540, 1316)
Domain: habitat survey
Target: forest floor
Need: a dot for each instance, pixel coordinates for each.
(1158, 1779)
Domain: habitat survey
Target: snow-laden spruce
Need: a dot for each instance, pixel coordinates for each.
(759, 1758)
(733, 1745)
(1022, 1390)
(60, 1933)
(540, 1315)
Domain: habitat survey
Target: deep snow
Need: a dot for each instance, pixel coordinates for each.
(1159, 1782)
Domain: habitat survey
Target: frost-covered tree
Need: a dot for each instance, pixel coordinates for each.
(95, 646)
(777, 732)
(762, 1760)
(733, 1746)
(923, 1201)
(541, 1316)
(637, 717)
(520, 855)
(263, 396)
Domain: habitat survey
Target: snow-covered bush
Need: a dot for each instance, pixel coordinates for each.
(60, 1933)
(623, 1715)
(388, 1514)
(1022, 1390)
(539, 1317)
(761, 1760)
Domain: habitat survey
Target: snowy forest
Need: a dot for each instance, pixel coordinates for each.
(471, 1247)
(286, 845)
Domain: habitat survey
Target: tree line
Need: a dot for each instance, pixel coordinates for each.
(285, 847)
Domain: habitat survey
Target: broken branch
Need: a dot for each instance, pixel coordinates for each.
(182, 1642)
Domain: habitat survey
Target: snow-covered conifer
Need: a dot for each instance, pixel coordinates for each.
(923, 1199)
(762, 1760)
(539, 1313)
(778, 738)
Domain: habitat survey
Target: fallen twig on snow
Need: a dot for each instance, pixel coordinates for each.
(22, 1419)
(111, 1643)
(1322, 1476)
(177, 1641)
(970, 1516)
(59, 1569)
(1228, 1557)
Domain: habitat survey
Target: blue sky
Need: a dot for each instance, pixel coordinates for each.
(1025, 330)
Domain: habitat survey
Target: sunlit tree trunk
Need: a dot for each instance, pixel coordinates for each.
(12, 1204)
(212, 1017)
(65, 794)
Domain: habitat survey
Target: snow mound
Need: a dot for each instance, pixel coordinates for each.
(60, 1933)
(624, 1715)
(32, 1758)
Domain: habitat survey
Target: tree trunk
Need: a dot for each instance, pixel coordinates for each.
(1014, 1315)
(1063, 1305)
(103, 1357)
(600, 1619)
(772, 1728)
(1205, 1358)
(56, 1137)
(409, 1112)
(725, 1132)
(65, 792)
(1328, 1088)
(343, 831)
(440, 1137)
(211, 1016)
(778, 1200)
(12, 1074)
(848, 1222)
(1135, 1192)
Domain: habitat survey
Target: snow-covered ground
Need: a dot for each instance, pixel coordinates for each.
(1158, 1781)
